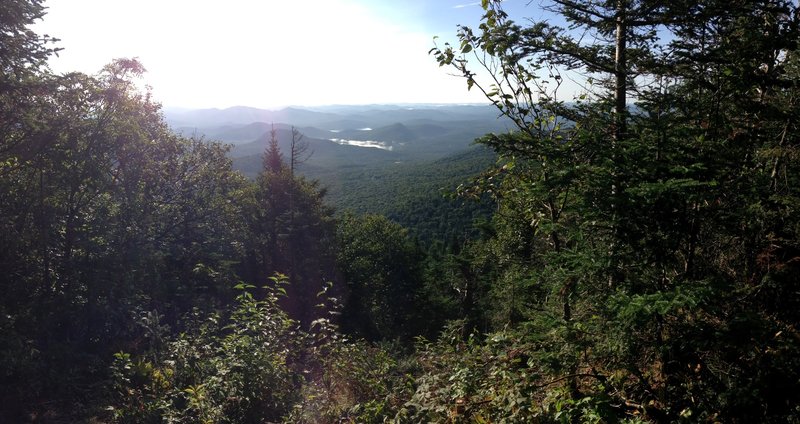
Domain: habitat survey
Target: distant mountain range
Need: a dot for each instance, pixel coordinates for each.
(335, 118)
(365, 155)
(404, 133)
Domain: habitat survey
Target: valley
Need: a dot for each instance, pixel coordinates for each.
(403, 162)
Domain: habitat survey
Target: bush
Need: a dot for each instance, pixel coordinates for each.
(259, 367)
(242, 372)
(499, 379)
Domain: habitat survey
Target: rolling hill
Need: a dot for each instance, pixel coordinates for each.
(397, 161)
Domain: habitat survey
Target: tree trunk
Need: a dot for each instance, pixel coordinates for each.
(620, 128)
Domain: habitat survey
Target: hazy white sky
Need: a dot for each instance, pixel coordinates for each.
(269, 53)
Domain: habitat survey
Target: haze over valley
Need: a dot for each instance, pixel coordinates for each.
(401, 161)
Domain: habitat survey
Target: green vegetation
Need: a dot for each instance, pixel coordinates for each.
(412, 185)
(418, 196)
(629, 257)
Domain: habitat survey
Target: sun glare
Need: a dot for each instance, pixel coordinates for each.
(264, 54)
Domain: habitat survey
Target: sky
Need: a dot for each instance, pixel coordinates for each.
(271, 53)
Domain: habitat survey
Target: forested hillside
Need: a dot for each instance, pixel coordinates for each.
(630, 255)
(419, 196)
(402, 162)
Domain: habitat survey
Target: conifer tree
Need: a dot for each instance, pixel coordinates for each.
(273, 157)
(290, 232)
(644, 220)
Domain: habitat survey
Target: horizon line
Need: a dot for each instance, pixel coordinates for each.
(330, 105)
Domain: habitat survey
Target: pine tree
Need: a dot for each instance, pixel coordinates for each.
(290, 232)
(273, 157)
(643, 221)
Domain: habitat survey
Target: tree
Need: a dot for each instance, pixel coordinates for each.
(290, 231)
(299, 151)
(24, 51)
(23, 80)
(273, 158)
(642, 220)
(381, 268)
(113, 216)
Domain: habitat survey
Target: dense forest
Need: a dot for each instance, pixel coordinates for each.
(639, 261)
